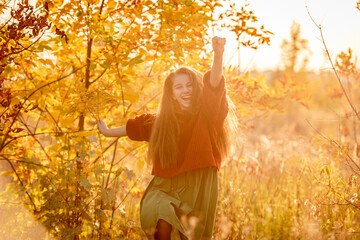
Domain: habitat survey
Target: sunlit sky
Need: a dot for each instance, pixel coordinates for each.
(341, 29)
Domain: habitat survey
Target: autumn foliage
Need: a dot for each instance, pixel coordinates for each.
(66, 64)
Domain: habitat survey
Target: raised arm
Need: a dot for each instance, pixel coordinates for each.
(218, 45)
(114, 132)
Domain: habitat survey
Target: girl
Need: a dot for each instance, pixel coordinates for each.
(187, 142)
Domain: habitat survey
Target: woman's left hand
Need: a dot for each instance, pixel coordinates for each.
(218, 44)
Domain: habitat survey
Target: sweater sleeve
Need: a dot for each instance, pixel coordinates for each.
(139, 128)
(214, 101)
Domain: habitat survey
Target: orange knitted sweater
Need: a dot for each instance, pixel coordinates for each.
(198, 133)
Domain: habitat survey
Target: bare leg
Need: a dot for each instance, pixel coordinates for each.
(163, 230)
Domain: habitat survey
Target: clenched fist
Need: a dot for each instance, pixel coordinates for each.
(218, 44)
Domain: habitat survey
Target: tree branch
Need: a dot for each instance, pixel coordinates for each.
(21, 182)
(332, 65)
(27, 98)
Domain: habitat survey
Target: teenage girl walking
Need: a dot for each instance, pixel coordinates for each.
(187, 142)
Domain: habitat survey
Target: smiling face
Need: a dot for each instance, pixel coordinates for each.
(182, 90)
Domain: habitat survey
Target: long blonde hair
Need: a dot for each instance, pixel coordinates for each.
(163, 143)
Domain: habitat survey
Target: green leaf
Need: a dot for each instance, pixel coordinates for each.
(7, 69)
(108, 39)
(92, 66)
(107, 196)
(100, 214)
(105, 64)
(325, 169)
(85, 183)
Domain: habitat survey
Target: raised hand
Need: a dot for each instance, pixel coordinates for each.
(218, 44)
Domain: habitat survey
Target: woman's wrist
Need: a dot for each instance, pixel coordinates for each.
(218, 60)
(115, 132)
(219, 53)
(105, 132)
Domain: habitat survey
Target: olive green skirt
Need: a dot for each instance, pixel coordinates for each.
(187, 201)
